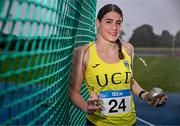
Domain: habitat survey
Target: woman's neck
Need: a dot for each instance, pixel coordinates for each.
(105, 45)
(107, 51)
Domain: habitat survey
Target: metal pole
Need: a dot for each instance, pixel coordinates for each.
(173, 45)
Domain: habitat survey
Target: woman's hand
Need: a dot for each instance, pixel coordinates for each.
(156, 101)
(92, 103)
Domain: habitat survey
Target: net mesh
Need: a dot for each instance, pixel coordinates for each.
(37, 39)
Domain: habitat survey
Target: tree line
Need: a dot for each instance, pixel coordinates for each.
(144, 36)
(15, 43)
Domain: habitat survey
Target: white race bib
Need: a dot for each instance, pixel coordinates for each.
(115, 102)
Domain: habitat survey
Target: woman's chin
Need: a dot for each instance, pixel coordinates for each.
(113, 40)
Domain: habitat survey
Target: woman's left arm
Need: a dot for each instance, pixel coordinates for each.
(138, 91)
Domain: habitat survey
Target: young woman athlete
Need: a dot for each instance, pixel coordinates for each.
(106, 68)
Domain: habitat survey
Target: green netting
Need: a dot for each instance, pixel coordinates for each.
(37, 40)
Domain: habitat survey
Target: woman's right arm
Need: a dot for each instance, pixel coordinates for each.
(77, 79)
(80, 59)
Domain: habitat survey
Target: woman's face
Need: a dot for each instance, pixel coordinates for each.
(109, 27)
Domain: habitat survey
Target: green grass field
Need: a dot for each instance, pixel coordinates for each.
(164, 72)
(22, 69)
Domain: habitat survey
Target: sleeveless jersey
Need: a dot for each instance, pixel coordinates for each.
(110, 81)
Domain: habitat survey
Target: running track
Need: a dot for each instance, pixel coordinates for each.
(146, 115)
(167, 115)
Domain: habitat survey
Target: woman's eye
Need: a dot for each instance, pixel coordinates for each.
(108, 22)
(119, 23)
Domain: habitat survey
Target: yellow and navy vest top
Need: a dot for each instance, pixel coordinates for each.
(101, 76)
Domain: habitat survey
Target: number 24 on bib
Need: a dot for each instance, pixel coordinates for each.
(115, 102)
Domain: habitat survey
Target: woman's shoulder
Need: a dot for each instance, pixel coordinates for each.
(128, 47)
(81, 49)
(82, 52)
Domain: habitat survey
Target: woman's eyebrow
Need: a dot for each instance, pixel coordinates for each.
(109, 19)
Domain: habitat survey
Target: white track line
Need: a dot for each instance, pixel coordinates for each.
(144, 121)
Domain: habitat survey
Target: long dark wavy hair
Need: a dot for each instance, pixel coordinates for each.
(103, 11)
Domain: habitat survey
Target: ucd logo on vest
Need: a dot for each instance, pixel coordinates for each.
(126, 64)
(112, 77)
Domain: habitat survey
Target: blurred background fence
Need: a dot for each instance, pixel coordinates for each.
(37, 39)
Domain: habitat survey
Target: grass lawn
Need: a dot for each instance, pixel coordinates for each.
(164, 72)
(22, 69)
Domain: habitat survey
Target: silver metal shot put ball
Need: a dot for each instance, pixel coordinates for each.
(155, 92)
